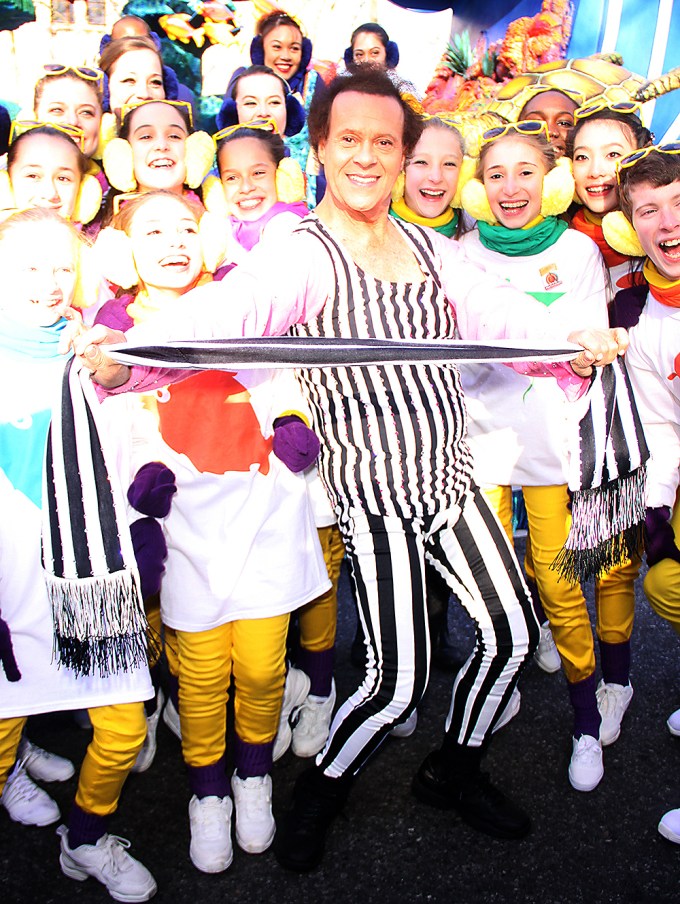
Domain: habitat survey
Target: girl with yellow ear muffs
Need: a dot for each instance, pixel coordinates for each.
(47, 168)
(259, 189)
(157, 150)
(519, 428)
(261, 192)
(242, 546)
(428, 192)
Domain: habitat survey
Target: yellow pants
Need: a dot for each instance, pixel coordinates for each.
(119, 732)
(318, 619)
(564, 604)
(254, 651)
(662, 581)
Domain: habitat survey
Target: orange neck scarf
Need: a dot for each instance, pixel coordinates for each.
(591, 225)
(664, 290)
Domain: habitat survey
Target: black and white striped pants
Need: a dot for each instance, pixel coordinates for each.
(470, 549)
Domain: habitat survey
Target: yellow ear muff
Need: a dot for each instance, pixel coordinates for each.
(620, 235)
(399, 187)
(474, 200)
(7, 201)
(213, 196)
(108, 130)
(118, 165)
(199, 156)
(112, 253)
(558, 189)
(467, 172)
(290, 181)
(212, 230)
(89, 200)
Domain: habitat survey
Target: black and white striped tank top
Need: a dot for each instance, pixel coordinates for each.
(392, 437)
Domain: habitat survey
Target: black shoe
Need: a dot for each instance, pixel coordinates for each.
(475, 799)
(301, 834)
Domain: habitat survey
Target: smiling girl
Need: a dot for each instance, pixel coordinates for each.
(45, 168)
(519, 429)
(242, 547)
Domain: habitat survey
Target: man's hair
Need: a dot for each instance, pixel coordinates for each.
(367, 79)
(656, 169)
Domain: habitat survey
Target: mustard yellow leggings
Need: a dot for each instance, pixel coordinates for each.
(564, 604)
(662, 581)
(254, 651)
(119, 732)
(318, 619)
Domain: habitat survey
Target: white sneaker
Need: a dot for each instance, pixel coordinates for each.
(171, 719)
(255, 826)
(669, 826)
(210, 823)
(546, 655)
(586, 769)
(42, 765)
(107, 861)
(25, 801)
(294, 695)
(314, 723)
(510, 710)
(146, 755)
(406, 729)
(612, 701)
(674, 723)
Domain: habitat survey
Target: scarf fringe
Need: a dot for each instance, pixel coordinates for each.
(607, 528)
(100, 626)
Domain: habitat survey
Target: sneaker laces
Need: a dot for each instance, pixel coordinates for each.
(253, 797)
(115, 852)
(209, 816)
(20, 784)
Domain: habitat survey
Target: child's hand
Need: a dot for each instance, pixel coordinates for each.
(88, 346)
(600, 347)
(294, 443)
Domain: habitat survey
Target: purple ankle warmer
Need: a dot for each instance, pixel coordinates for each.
(319, 667)
(586, 714)
(615, 662)
(209, 781)
(84, 828)
(252, 760)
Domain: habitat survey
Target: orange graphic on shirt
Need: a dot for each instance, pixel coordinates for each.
(676, 365)
(209, 419)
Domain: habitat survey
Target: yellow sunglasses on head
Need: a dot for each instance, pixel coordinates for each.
(672, 147)
(21, 126)
(523, 127)
(603, 103)
(265, 124)
(90, 75)
(126, 109)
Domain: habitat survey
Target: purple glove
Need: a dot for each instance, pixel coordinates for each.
(7, 659)
(294, 443)
(659, 536)
(152, 490)
(151, 551)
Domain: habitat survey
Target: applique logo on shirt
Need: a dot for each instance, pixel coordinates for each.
(551, 280)
(676, 365)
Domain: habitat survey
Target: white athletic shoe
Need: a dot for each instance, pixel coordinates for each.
(294, 695)
(25, 801)
(146, 755)
(42, 765)
(546, 655)
(510, 710)
(211, 850)
(674, 723)
(612, 701)
(406, 729)
(171, 719)
(107, 861)
(255, 826)
(314, 723)
(669, 826)
(586, 768)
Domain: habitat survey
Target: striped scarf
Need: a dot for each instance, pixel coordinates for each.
(90, 571)
(607, 481)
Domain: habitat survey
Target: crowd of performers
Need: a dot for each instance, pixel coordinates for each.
(171, 537)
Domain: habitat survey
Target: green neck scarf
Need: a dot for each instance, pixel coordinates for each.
(446, 223)
(521, 242)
